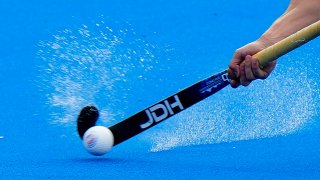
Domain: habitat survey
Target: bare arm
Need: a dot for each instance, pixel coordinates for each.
(299, 14)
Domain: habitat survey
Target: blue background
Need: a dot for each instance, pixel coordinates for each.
(58, 56)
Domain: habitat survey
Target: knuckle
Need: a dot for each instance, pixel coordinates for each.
(239, 53)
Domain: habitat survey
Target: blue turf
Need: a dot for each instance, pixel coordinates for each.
(125, 55)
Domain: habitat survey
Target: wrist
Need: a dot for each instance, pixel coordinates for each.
(266, 40)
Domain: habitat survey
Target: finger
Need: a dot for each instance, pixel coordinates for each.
(237, 59)
(270, 67)
(234, 83)
(238, 56)
(248, 68)
(234, 66)
(235, 71)
(243, 80)
(257, 71)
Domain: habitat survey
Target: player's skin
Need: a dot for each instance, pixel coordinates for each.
(245, 68)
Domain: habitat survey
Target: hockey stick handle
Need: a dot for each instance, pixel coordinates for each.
(286, 45)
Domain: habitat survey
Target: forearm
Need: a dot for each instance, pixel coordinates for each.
(299, 14)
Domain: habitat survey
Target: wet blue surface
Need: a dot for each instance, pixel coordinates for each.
(123, 56)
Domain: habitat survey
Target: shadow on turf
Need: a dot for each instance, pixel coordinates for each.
(106, 160)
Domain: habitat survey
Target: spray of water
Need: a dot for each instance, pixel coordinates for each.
(92, 64)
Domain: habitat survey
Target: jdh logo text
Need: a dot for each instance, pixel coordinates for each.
(163, 110)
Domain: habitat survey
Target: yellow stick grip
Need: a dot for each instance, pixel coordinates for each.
(288, 44)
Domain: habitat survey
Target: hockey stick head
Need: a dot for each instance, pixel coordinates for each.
(87, 118)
